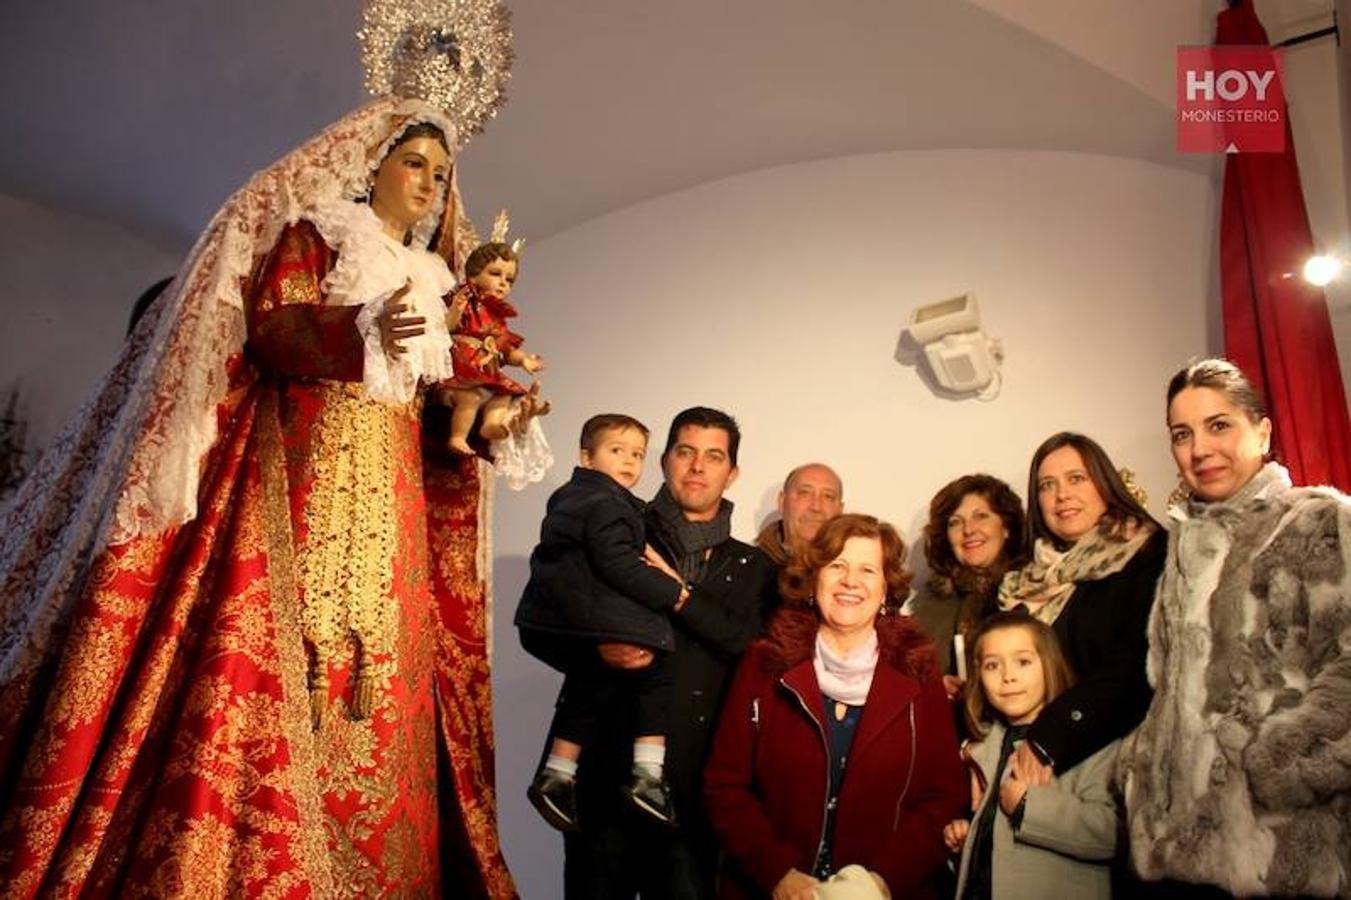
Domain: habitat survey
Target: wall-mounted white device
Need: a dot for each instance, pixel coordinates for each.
(961, 356)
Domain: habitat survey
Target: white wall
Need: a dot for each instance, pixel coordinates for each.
(780, 296)
(1343, 77)
(1316, 111)
(68, 286)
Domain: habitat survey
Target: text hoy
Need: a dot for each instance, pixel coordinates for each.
(1230, 84)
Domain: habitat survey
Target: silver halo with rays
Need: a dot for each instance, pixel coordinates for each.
(454, 54)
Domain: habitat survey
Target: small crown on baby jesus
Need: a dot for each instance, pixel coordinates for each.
(501, 224)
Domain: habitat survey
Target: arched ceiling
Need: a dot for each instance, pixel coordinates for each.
(150, 113)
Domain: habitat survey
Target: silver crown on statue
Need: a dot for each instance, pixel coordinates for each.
(454, 54)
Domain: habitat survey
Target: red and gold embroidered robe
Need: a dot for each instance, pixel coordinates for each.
(168, 746)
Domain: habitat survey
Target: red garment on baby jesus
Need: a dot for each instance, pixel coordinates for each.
(483, 329)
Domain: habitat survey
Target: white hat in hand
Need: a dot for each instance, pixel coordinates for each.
(852, 883)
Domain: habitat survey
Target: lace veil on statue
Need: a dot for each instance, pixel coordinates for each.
(128, 464)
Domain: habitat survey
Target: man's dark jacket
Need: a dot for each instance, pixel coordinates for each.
(727, 609)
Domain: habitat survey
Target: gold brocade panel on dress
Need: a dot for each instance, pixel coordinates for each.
(347, 539)
(358, 514)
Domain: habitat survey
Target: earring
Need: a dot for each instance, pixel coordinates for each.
(1180, 493)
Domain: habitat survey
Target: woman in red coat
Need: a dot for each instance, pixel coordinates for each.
(836, 745)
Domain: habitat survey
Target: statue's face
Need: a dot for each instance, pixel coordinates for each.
(408, 183)
(497, 278)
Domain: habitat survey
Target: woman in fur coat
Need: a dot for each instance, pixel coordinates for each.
(1239, 779)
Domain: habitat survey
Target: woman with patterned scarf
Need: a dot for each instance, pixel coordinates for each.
(1239, 780)
(1096, 557)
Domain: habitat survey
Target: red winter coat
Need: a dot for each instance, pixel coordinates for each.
(766, 782)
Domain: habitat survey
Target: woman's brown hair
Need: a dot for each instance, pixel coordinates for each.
(1003, 501)
(1057, 672)
(797, 582)
(1123, 511)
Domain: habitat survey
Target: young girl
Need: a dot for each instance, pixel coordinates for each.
(1033, 832)
(483, 344)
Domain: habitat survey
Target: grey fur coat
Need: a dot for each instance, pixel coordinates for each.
(1240, 774)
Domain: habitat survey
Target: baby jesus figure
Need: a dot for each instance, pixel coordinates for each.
(483, 345)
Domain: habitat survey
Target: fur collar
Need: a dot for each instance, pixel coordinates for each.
(791, 640)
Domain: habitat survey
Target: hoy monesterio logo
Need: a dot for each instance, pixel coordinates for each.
(1230, 100)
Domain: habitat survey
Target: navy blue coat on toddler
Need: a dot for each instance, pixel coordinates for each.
(587, 575)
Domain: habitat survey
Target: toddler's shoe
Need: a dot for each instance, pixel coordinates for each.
(555, 796)
(652, 797)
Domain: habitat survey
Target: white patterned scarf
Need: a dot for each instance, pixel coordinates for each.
(1045, 584)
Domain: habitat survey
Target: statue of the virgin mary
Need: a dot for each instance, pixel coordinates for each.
(243, 635)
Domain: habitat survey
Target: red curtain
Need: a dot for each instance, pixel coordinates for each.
(1276, 325)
